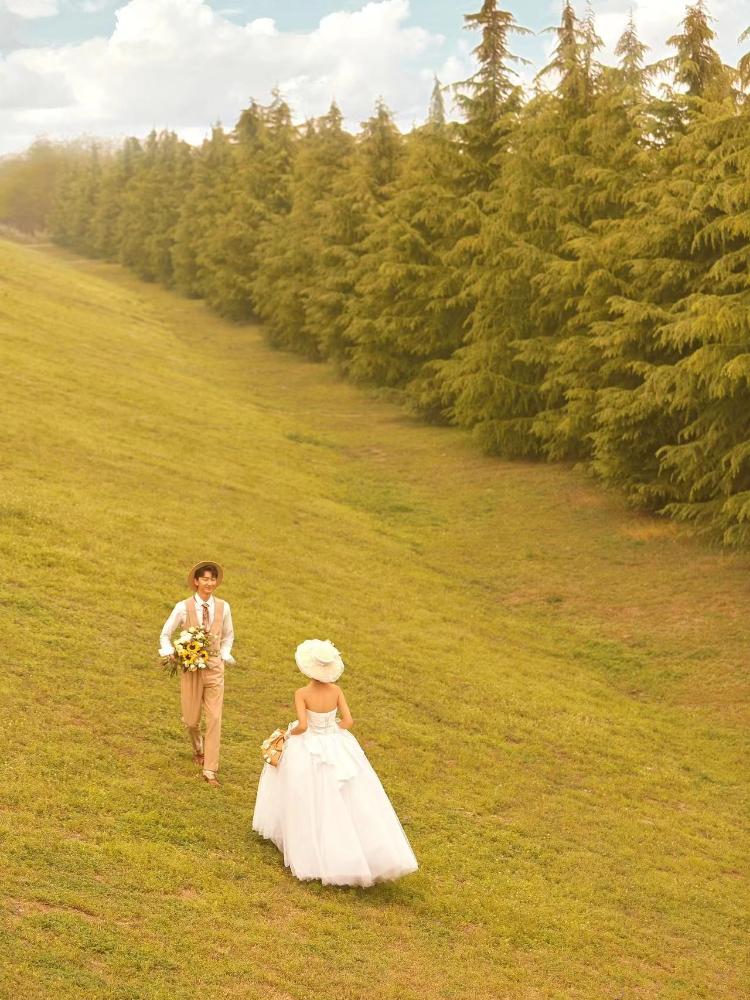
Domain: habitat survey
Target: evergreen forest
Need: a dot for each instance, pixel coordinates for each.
(561, 270)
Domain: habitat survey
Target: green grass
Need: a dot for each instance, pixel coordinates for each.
(553, 690)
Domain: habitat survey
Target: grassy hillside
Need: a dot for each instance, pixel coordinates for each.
(553, 690)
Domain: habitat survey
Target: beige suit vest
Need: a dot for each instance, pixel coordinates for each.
(191, 614)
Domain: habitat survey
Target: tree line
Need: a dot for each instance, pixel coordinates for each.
(562, 272)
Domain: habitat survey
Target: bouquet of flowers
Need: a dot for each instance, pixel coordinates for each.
(273, 747)
(192, 649)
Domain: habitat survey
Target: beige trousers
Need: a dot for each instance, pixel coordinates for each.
(203, 689)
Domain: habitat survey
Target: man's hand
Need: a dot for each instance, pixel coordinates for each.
(169, 662)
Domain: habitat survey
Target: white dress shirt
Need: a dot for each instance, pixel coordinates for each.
(178, 618)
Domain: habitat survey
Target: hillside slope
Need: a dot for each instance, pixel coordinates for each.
(551, 688)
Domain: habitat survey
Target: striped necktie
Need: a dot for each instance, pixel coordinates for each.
(205, 615)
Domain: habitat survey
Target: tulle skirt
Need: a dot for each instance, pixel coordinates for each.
(327, 812)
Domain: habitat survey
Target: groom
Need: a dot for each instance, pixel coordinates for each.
(203, 689)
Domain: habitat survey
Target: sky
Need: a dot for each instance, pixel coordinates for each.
(122, 67)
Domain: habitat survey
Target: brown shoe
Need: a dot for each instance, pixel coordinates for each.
(198, 759)
(211, 781)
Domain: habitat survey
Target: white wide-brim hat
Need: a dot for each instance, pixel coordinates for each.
(320, 660)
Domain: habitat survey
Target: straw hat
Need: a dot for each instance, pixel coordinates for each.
(204, 562)
(319, 659)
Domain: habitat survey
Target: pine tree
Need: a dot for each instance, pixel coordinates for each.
(151, 205)
(490, 98)
(402, 314)
(170, 182)
(137, 204)
(606, 159)
(264, 142)
(105, 223)
(591, 43)
(291, 247)
(573, 60)
(436, 113)
(491, 101)
(636, 414)
(208, 198)
(495, 383)
(356, 201)
(76, 199)
(706, 389)
(696, 65)
(28, 183)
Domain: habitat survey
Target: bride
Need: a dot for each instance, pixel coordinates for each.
(323, 805)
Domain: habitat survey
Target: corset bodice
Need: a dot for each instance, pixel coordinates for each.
(322, 722)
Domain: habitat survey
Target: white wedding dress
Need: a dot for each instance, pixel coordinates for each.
(327, 812)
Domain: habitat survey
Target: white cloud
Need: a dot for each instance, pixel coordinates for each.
(93, 6)
(31, 9)
(180, 64)
(656, 22)
(21, 87)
